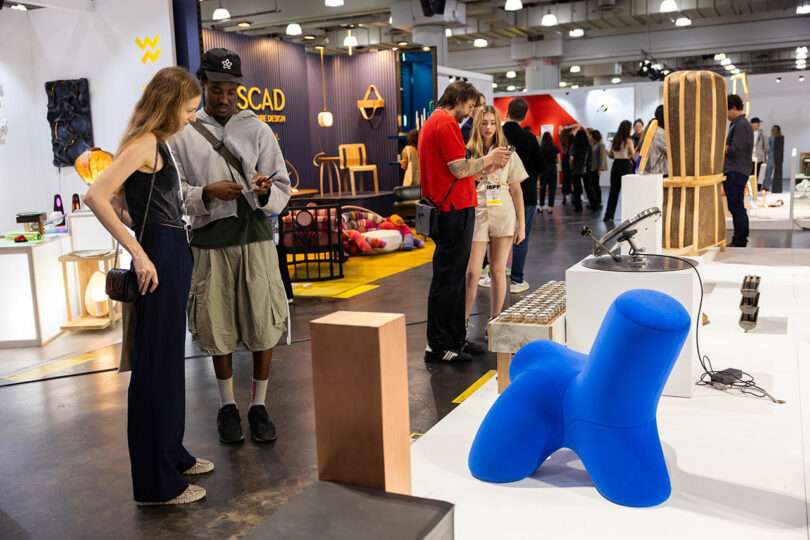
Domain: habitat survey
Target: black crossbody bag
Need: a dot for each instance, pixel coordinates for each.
(427, 214)
(122, 283)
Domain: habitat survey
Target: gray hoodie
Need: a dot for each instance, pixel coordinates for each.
(250, 140)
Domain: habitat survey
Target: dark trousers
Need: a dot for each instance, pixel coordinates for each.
(620, 168)
(284, 269)
(548, 184)
(576, 189)
(445, 327)
(157, 388)
(566, 176)
(592, 190)
(757, 167)
(734, 187)
(520, 251)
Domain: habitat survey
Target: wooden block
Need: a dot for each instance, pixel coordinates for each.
(504, 361)
(360, 378)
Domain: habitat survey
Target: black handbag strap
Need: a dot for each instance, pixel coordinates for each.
(219, 146)
(148, 204)
(447, 196)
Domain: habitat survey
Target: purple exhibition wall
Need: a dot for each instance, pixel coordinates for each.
(270, 63)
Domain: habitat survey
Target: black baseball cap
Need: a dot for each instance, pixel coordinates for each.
(221, 65)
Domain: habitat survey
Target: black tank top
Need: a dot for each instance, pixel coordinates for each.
(166, 207)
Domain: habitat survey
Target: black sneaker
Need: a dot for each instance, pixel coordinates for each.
(262, 429)
(229, 425)
(446, 357)
(473, 348)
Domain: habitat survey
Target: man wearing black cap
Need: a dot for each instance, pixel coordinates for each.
(235, 177)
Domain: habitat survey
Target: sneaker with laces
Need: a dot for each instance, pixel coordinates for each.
(229, 425)
(485, 282)
(262, 429)
(446, 357)
(191, 494)
(518, 286)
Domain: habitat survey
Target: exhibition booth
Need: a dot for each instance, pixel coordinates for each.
(70, 78)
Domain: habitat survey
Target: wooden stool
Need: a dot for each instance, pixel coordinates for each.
(362, 422)
(695, 110)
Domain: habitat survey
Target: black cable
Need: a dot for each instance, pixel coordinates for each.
(738, 379)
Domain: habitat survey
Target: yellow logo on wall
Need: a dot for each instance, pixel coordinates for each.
(149, 43)
(261, 100)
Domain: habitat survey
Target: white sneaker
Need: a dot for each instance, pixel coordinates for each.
(485, 282)
(515, 287)
(202, 466)
(190, 495)
(541, 209)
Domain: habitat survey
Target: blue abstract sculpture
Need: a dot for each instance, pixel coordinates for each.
(602, 406)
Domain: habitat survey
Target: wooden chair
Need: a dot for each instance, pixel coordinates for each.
(353, 160)
(328, 166)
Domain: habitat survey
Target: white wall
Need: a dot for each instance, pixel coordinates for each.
(785, 104)
(68, 44)
(20, 188)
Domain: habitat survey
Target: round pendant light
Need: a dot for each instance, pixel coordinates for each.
(549, 19)
(221, 14)
(668, 6)
(513, 5)
(480, 43)
(575, 69)
(576, 33)
(333, 3)
(294, 29)
(511, 74)
(683, 21)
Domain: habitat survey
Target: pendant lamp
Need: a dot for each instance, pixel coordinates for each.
(325, 118)
(221, 13)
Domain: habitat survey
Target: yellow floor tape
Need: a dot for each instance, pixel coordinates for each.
(475, 386)
(109, 354)
(360, 271)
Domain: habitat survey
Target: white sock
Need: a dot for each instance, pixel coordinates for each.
(226, 396)
(258, 392)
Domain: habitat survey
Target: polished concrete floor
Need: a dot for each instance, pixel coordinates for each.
(64, 464)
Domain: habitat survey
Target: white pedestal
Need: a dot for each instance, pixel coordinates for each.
(640, 192)
(591, 292)
(87, 233)
(32, 289)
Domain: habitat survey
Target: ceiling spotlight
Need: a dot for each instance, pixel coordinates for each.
(510, 88)
(803, 9)
(574, 87)
(480, 43)
(666, 71)
(294, 29)
(350, 40)
(683, 21)
(402, 44)
(668, 6)
(778, 80)
(575, 69)
(720, 56)
(426, 48)
(657, 67)
(736, 71)
(448, 32)
(576, 33)
(801, 55)
(309, 37)
(725, 61)
(549, 19)
(221, 14)
(730, 67)
(801, 50)
(20, 7)
(333, 3)
(563, 84)
(616, 80)
(511, 74)
(513, 5)
(244, 24)
(801, 78)
(525, 90)
(390, 20)
(801, 65)
(494, 85)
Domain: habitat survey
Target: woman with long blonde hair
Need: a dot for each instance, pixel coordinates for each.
(144, 170)
(499, 216)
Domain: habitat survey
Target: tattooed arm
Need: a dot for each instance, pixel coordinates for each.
(496, 159)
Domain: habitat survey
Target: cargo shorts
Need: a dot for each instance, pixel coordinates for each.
(237, 296)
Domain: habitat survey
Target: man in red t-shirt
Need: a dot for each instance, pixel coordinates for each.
(448, 182)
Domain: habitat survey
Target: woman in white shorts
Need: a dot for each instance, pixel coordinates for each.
(499, 219)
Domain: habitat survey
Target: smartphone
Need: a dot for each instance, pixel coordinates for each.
(510, 148)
